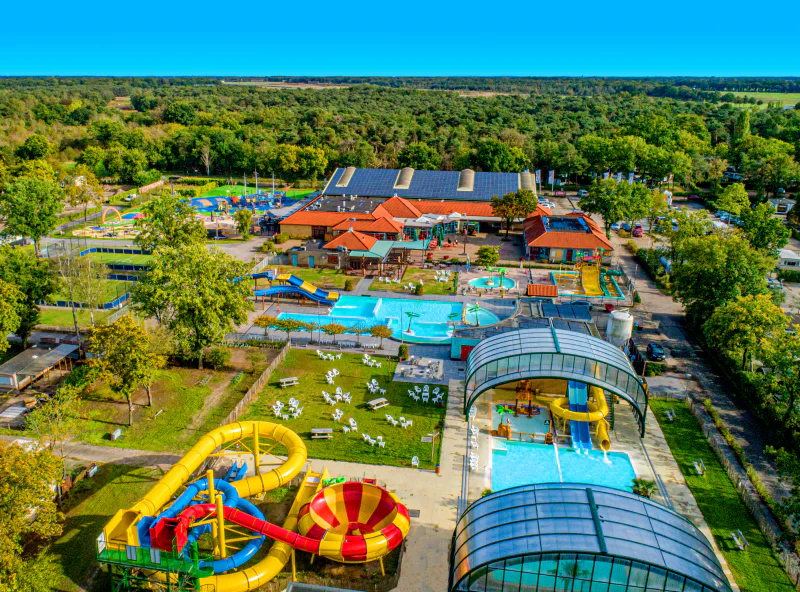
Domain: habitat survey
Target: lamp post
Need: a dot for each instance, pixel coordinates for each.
(686, 385)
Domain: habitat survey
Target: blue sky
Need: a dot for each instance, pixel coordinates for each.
(621, 38)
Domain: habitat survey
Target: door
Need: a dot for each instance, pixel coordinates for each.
(569, 255)
(465, 349)
(311, 260)
(294, 260)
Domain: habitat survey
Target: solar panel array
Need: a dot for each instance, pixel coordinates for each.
(424, 185)
(566, 311)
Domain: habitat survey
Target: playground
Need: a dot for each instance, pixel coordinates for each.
(227, 198)
(112, 224)
(588, 279)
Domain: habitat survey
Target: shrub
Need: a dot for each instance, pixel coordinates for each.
(267, 247)
(81, 377)
(218, 357)
(486, 492)
(655, 369)
(789, 275)
(402, 353)
(281, 238)
(636, 298)
(348, 285)
(419, 290)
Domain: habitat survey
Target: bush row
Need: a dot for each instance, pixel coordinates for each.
(79, 215)
(789, 275)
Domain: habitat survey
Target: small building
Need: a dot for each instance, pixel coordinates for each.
(788, 259)
(782, 205)
(564, 239)
(26, 368)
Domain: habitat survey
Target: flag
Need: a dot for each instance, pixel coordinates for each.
(619, 177)
(630, 178)
(538, 176)
(551, 177)
(605, 175)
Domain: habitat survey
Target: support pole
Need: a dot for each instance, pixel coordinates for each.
(383, 571)
(256, 453)
(221, 528)
(212, 499)
(294, 567)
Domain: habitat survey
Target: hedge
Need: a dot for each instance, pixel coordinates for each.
(79, 215)
(789, 275)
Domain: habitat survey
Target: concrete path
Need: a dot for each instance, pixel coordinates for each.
(362, 287)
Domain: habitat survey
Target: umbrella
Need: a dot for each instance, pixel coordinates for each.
(411, 316)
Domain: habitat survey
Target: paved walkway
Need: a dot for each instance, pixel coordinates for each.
(362, 287)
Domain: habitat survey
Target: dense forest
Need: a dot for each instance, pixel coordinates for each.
(132, 129)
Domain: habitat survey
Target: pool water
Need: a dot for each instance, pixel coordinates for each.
(433, 325)
(536, 424)
(483, 283)
(520, 463)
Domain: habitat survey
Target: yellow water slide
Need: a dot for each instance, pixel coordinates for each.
(307, 287)
(596, 414)
(590, 280)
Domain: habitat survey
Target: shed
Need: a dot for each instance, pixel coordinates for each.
(24, 369)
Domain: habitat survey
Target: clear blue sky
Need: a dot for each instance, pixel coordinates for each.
(295, 37)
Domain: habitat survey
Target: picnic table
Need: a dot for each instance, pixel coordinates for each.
(321, 433)
(378, 403)
(290, 381)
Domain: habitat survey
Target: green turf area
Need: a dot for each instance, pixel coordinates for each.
(414, 275)
(767, 97)
(112, 289)
(62, 317)
(317, 276)
(755, 570)
(88, 508)
(226, 190)
(189, 410)
(401, 444)
(120, 258)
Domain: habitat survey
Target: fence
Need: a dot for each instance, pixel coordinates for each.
(256, 387)
(270, 260)
(766, 522)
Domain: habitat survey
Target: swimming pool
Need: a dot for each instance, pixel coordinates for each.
(520, 463)
(536, 424)
(483, 283)
(433, 323)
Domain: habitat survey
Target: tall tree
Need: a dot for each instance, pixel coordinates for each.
(334, 329)
(687, 225)
(287, 325)
(82, 188)
(170, 221)
(33, 279)
(30, 208)
(769, 163)
(505, 209)
(381, 331)
(418, 155)
(604, 198)
(34, 147)
(122, 357)
(764, 231)
(55, 421)
(25, 491)
(733, 199)
(494, 155)
(196, 293)
(10, 307)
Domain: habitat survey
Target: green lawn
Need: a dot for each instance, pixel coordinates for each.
(62, 317)
(316, 276)
(121, 258)
(402, 444)
(262, 185)
(783, 98)
(414, 275)
(756, 569)
(112, 289)
(90, 506)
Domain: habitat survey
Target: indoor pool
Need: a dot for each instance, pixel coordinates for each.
(432, 323)
(519, 463)
(484, 283)
(536, 424)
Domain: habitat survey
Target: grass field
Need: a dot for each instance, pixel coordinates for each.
(755, 570)
(62, 317)
(112, 289)
(316, 276)
(92, 503)
(224, 190)
(401, 444)
(767, 97)
(121, 258)
(414, 275)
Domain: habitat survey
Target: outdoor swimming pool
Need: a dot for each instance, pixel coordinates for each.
(483, 283)
(432, 321)
(519, 463)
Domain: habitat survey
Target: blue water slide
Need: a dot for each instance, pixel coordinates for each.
(578, 401)
(320, 296)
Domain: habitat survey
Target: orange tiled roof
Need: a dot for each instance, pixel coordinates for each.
(537, 236)
(316, 218)
(546, 290)
(380, 225)
(400, 207)
(352, 240)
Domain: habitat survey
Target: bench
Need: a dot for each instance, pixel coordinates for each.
(291, 381)
(116, 434)
(321, 433)
(378, 404)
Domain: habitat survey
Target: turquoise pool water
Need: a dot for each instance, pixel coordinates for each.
(483, 283)
(519, 463)
(536, 424)
(431, 326)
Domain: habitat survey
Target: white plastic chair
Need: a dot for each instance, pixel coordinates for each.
(417, 389)
(425, 397)
(365, 436)
(372, 441)
(345, 429)
(339, 390)
(414, 461)
(285, 417)
(382, 444)
(382, 391)
(378, 365)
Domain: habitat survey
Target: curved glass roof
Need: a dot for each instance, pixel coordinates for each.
(553, 353)
(579, 533)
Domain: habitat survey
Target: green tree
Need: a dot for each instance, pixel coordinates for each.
(196, 293)
(658, 208)
(25, 493)
(687, 225)
(418, 155)
(715, 168)
(488, 256)
(505, 209)
(82, 188)
(134, 162)
(764, 231)
(180, 112)
(122, 357)
(734, 199)
(160, 345)
(168, 221)
(493, 155)
(604, 198)
(783, 356)
(10, 311)
(769, 163)
(55, 421)
(334, 329)
(746, 324)
(380, 331)
(35, 146)
(92, 157)
(286, 325)
(30, 208)
(712, 270)
(83, 280)
(741, 130)
(35, 169)
(244, 220)
(33, 279)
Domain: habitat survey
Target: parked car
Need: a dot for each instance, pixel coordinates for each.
(638, 230)
(561, 193)
(626, 226)
(694, 196)
(655, 352)
(616, 226)
(583, 193)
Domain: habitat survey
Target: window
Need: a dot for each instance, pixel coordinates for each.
(318, 232)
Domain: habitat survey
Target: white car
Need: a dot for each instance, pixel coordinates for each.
(616, 226)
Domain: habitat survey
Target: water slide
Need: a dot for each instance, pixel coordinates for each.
(595, 413)
(578, 402)
(347, 522)
(294, 285)
(590, 280)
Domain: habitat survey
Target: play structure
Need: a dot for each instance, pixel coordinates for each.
(583, 409)
(113, 211)
(590, 269)
(286, 283)
(159, 543)
(588, 278)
